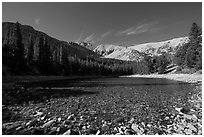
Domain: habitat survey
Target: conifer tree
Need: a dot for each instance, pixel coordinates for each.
(30, 56)
(19, 56)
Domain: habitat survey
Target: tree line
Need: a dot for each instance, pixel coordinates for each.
(43, 60)
(190, 54)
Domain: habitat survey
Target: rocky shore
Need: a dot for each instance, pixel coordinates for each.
(78, 116)
(189, 78)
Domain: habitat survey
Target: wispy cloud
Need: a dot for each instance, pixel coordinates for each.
(105, 34)
(80, 37)
(140, 28)
(37, 20)
(89, 38)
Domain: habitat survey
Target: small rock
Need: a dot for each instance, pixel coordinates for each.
(135, 128)
(188, 131)
(52, 132)
(32, 123)
(131, 120)
(42, 118)
(84, 127)
(58, 129)
(74, 132)
(37, 131)
(38, 114)
(70, 116)
(59, 119)
(98, 132)
(120, 130)
(68, 132)
(104, 127)
(53, 129)
(185, 110)
(166, 118)
(118, 120)
(191, 127)
(128, 132)
(49, 123)
(18, 128)
(149, 125)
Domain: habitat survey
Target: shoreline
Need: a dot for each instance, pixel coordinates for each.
(189, 78)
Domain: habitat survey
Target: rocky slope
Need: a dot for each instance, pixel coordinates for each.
(156, 48)
(118, 52)
(136, 52)
(126, 54)
(106, 49)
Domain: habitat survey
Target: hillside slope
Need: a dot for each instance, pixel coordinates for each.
(29, 32)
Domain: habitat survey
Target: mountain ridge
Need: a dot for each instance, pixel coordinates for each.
(136, 52)
(28, 32)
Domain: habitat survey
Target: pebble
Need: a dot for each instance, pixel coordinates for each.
(98, 132)
(38, 114)
(135, 128)
(49, 123)
(191, 127)
(104, 127)
(68, 132)
(131, 120)
(59, 119)
(188, 131)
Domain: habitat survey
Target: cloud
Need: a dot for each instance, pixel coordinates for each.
(37, 21)
(89, 38)
(78, 40)
(105, 34)
(141, 28)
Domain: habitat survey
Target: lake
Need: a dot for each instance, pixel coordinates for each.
(93, 102)
(118, 92)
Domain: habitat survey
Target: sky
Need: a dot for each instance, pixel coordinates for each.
(107, 23)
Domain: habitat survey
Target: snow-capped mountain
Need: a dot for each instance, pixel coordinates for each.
(156, 48)
(106, 49)
(136, 52)
(126, 54)
(118, 52)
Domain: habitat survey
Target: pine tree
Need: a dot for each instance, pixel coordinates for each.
(19, 56)
(30, 56)
(194, 51)
(190, 54)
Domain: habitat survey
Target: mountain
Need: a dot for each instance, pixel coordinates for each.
(118, 52)
(106, 49)
(86, 45)
(126, 54)
(156, 48)
(28, 33)
(136, 52)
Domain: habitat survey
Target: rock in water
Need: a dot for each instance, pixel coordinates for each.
(185, 110)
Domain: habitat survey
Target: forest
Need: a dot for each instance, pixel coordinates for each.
(44, 61)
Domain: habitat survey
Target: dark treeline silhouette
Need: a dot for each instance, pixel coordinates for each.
(158, 63)
(190, 54)
(42, 60)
